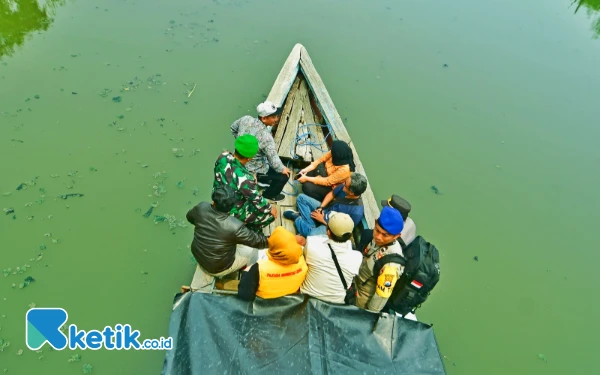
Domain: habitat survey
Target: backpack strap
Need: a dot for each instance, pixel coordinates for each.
(337, 266)
(401, 242)
(389, 258)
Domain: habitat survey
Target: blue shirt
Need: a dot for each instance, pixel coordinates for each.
(353, 207)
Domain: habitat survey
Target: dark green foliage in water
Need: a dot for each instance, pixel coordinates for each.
(28, 280)
(435, 190)
(149, 212)
(592, 8)
(16, 23)
(87, 368)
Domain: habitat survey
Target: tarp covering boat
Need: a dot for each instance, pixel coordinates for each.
(215, 333)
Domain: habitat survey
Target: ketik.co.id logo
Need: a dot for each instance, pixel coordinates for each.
(44, 324)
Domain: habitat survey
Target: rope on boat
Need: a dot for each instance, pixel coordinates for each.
(304, 139)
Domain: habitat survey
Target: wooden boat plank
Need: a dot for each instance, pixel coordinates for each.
(227, 284)
(292, 125)
(302, 148)
(285, 113)
(202, 282)
(318, 137)
(290, 200)
(317, 134)
(286, 77)
(334, 120)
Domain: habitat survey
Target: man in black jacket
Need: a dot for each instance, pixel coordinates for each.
(217, 234)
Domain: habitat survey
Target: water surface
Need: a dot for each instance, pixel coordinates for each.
(495, 103)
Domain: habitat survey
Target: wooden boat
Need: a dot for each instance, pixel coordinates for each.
(214, 332)
(309, 123)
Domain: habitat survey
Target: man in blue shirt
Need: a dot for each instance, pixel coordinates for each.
(312, 218)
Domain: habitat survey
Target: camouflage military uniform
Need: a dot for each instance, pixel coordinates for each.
(250, 207)
(267, 152)
(373, 291)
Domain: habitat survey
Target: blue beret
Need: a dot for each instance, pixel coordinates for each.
(391, 220)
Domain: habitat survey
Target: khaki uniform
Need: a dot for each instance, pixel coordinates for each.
(373, 292)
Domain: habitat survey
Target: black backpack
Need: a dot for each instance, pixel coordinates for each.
(421, 274)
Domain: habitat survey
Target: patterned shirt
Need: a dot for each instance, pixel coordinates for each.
(250, 207)
(267, 153)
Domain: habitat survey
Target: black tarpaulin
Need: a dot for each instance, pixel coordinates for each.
(221, 334)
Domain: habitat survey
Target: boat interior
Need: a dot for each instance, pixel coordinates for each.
(301, 136)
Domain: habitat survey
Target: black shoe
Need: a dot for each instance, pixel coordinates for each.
(278, 198)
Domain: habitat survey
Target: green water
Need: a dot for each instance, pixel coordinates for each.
(507, 132)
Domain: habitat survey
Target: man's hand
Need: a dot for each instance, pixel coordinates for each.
(300, 240)
(318, 216)
(305, 170)
(274, 211)
(286, 171)
(304, 179)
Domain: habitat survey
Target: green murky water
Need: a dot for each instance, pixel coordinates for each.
(496, 104)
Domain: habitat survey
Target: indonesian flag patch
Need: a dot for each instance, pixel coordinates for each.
(416, 284)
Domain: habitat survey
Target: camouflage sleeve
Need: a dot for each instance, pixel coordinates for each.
(385, 285)
(267, 145)
(235, 127)
(249, 190)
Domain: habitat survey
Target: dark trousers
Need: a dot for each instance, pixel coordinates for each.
(315, 191)
(276, 181)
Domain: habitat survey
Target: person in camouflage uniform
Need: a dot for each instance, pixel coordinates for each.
(270, 171)
(250, 207)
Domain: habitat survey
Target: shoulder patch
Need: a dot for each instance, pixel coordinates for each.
(386, 281)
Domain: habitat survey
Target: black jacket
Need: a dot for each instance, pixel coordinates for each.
(216, 235)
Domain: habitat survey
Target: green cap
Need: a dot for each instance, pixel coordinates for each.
(246, 145)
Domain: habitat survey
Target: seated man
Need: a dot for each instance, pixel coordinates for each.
(373, 290)
(216, 235)
(344, 198)
(250, 207)
(409, 233)
(322, 279)
(270, 171)
(280, 274)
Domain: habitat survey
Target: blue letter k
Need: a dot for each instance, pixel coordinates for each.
(43, 325)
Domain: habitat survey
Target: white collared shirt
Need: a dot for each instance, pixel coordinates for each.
(322, 280)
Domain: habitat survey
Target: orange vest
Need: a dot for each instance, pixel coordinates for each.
(277, 280)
